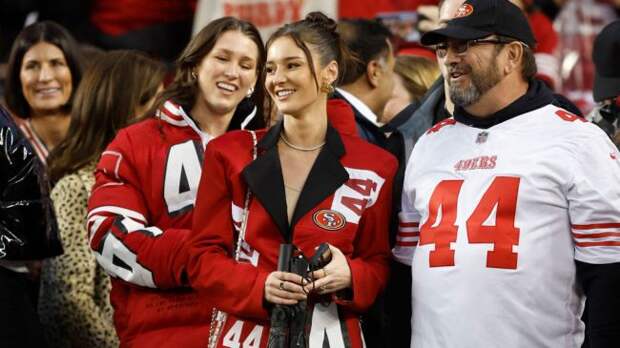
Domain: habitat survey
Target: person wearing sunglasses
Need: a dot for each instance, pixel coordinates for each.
(511, 208)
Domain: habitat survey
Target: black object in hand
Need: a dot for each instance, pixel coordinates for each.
(288, 321)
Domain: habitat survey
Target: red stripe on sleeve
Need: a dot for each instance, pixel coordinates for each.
(596, 235)
(408, 234)
(595, 226)
(595, 244)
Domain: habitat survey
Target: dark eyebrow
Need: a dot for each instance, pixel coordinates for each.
(229, 52)
(52, 59)
(287, 59)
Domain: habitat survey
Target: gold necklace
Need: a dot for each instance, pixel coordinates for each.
(299, 148)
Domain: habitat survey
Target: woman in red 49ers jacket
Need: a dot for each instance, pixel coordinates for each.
(141, 206)
(309, 184)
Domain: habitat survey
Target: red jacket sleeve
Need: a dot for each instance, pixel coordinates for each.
(125, 242)
(235, 287)
(370, 261)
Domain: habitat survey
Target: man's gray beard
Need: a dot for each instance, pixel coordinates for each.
(464, 96)
(481, 82)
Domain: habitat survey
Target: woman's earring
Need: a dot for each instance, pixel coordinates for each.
(250, 91)
(327, 88)
(194, 76)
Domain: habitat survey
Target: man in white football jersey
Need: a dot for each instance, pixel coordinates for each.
(511, 209)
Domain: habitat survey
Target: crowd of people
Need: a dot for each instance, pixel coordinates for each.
(330, 186)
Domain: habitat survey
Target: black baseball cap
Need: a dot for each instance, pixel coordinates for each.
(476, 19)
(605, 55)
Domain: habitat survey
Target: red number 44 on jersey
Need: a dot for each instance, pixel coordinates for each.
(502, 193)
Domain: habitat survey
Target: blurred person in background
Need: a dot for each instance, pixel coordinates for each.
(605, 55)
(74, 305)
(27, 232)
(578, 22)
(161, 28)
(45, 67)
(367, 84)
(142, 202)
(547, 62)
(413, 76)
(551, 8)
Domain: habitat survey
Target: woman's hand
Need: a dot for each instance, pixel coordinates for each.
(335, 276)
(284, 288)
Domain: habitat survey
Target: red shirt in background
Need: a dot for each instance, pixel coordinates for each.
(116, 17)
(369, 9)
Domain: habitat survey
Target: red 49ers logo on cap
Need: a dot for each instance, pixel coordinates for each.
(464, 11)
(330, 220)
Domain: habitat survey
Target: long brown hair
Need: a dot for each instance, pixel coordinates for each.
(184, 89)
(417, 73)
(112, 89)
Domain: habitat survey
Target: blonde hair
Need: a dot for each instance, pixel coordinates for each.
(418, 74)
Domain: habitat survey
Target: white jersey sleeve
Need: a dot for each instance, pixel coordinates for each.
(594, 200)
(408, 220)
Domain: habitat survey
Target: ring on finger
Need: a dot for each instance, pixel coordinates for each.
(282, 286)
(324, 272)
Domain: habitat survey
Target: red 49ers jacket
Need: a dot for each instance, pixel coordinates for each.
(350, 181)
(140, 216)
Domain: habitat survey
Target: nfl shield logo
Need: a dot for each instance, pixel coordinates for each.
(482, 137)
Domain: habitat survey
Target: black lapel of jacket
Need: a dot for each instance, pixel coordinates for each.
(325, 177)
(264, 178)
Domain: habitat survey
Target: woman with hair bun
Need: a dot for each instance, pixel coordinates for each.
(308, 185)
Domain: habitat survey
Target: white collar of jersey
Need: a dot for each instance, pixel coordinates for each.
(360, 106)
(175, 115)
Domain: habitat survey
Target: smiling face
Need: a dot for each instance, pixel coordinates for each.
(472, 74)
(289, 80)
(227, 72)
(45, 78)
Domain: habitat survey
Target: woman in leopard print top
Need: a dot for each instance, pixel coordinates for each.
(74, 304)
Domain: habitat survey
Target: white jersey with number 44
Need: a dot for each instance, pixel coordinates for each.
(492, 222)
